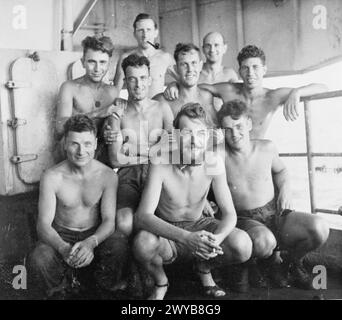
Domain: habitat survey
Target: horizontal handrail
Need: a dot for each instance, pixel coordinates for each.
(324, 95)
(313, 154)
(328, 211)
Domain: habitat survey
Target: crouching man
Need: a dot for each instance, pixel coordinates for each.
(76, 220)
(269, 219)
(170, 211)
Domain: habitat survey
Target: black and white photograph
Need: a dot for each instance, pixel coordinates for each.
(176, 150)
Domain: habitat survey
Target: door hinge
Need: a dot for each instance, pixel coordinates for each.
(16, 122)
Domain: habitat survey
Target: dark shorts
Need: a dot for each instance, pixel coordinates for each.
(262, 216)
(180, 251)
(131, 185)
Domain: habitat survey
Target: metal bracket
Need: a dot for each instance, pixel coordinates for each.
(17, 84)
(16, 122)
(23, 158)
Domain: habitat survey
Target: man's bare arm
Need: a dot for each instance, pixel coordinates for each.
(64, 107)
(218, 90)
(281, 179)
(166, 137)
(224, 201)
(171, 73)
(108, 207)
(119, 74)
(290, 98)
(116, 151)
(47, 210)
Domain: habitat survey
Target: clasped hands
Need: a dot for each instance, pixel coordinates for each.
(80, 255)
(204, 244)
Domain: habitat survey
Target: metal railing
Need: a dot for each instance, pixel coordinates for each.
(309, 146)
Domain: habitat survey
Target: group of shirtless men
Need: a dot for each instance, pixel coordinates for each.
(204, 133)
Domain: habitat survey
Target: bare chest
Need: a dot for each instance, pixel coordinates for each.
(87, 100)
(79, 194)
(158, 67)
(249, 173)
(184, 191)
(142, 127)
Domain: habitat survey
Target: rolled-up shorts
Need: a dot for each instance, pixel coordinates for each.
(179, 250)
(131, 185)
(262, 216)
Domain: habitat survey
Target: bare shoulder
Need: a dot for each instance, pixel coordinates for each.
(112, 90)
(160, 98)
(104, 171)
(54, 175)
(70, 85)
(160, 171)
(161, 104)
(205, 94)
(161, 54)
(265, 146)
(127, 53)
(278, 93)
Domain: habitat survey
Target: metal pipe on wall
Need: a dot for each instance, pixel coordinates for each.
(68, 26)
(194, 23)
(240, 34)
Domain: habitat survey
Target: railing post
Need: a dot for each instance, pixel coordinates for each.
(311, 171)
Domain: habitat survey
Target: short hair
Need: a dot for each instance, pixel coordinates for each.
(182, 48)
(134, 60)
(103, 44)
(143, 16)
(251, 51)
(234, 109)
(80, 123)
(193, 111)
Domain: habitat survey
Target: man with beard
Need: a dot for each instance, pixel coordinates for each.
(170, 212)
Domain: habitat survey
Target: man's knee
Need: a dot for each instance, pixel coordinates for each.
(145, 245)
(318, 231)
(124, 221)
(42, 257)
(264, 242)
(240, 246)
